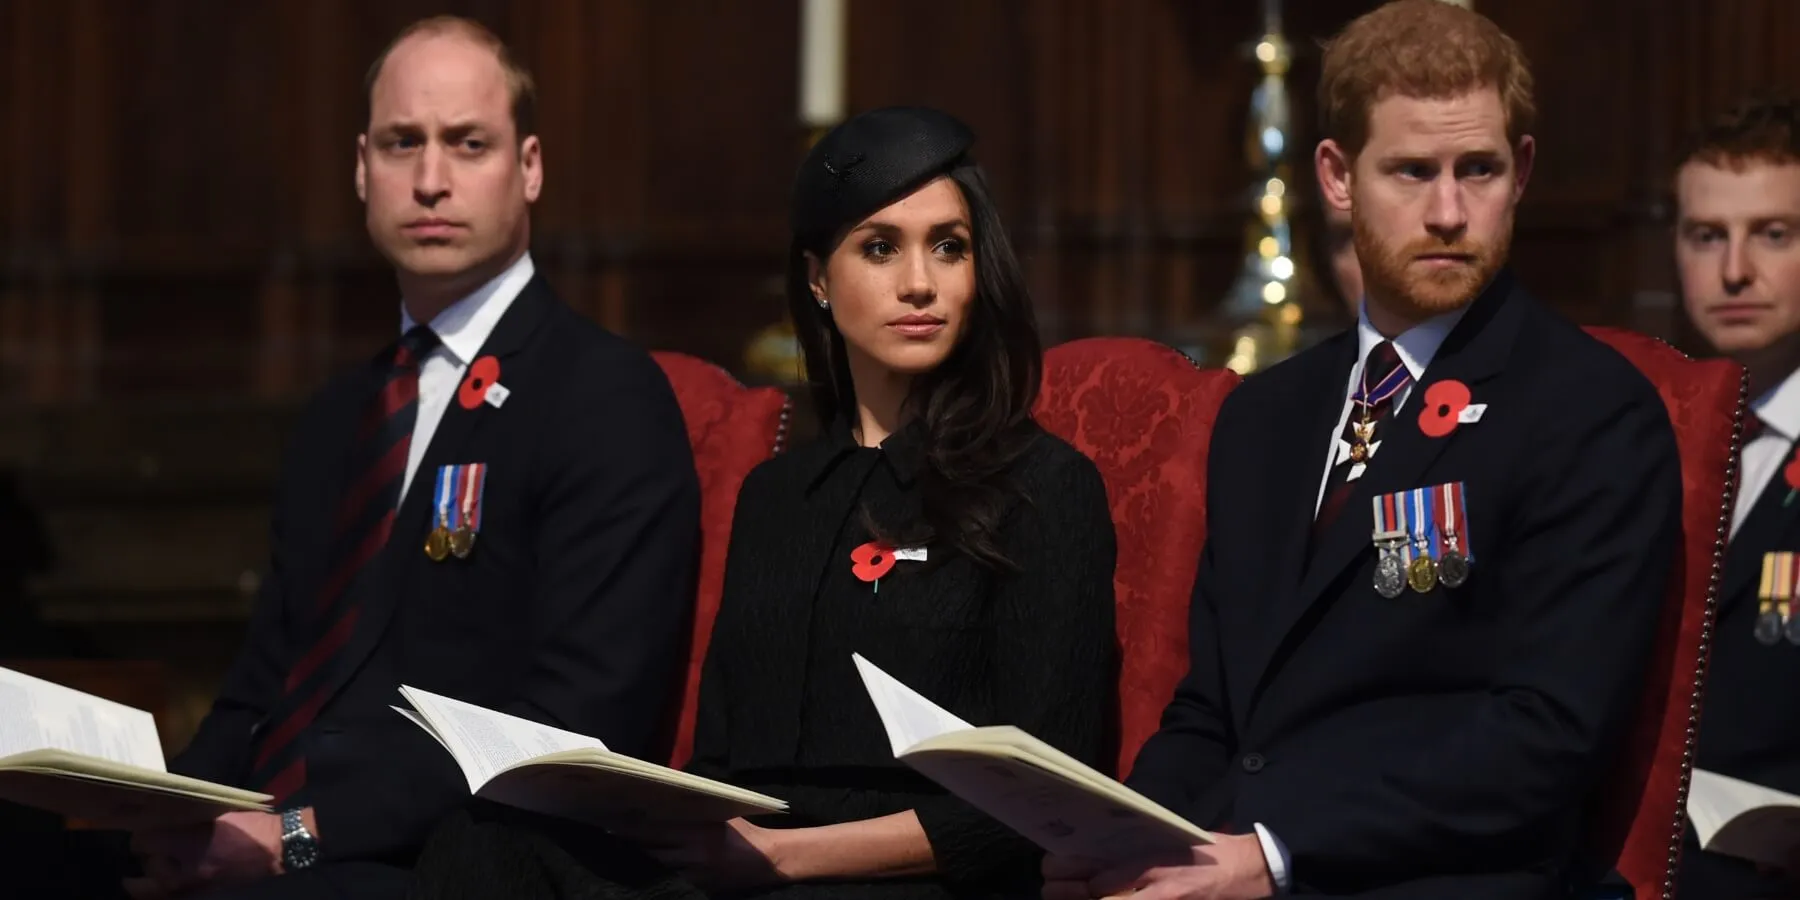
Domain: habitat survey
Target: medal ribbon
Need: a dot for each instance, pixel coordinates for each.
(1765, 589)
(474, 477)
(1403, 525)
(1784, 585)
(1392, 384)
(442, 492)
(1424, 528)
(1384, 517)
(1448, 498)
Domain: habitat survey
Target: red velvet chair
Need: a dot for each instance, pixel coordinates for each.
(1643, 813)
(731, 428)
(1144, 414)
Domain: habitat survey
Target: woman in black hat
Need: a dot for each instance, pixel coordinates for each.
(934, 529)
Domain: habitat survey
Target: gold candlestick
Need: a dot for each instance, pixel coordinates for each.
(1262, 310)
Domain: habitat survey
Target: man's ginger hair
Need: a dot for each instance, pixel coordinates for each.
(1424, 49)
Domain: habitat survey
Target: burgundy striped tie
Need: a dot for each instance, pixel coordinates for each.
(1385, 377)
(365, 518)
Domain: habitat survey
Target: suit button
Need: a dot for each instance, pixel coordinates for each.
(1253, 763)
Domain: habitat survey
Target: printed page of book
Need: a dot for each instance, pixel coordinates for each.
(37, 715)
(1042, 793)
(908, 717)
(612, 794)
(114, 795)
(485, 742)
(1059, 814)
(1737, 818)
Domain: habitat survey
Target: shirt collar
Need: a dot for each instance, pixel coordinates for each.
(1416, 346)
(465, 325)
(1779, 407)
(903, 451)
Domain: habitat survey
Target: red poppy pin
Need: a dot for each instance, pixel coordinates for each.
(484, 374)
(871, 561)
(1444, 405)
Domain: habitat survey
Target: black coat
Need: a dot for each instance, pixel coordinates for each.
(570, 611)
(1748, 729)
(783, 710)
(1446, 743)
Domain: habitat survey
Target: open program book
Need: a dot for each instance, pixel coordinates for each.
(1748, 821)
(97, 761)
(1046, 795)
(547, 770)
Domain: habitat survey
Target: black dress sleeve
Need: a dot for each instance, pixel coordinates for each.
(711, 757)
(1053, 667)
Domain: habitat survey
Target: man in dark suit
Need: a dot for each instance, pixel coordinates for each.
(1737, 244)
(501, 507)
(1438, 543)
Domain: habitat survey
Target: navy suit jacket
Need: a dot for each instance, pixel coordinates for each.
(1436, 744)
(571, 611)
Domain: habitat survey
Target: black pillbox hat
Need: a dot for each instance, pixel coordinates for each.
(872, 160)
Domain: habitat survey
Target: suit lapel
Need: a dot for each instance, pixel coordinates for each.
(381, 585)
(1473, 353)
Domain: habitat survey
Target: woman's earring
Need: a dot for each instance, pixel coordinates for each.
(824, 303)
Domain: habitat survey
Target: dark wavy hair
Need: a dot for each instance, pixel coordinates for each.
(974, 407)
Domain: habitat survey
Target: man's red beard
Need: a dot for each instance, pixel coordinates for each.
(1419, 292)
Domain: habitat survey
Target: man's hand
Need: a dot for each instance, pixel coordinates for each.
(1232, 869)
(735, 855)
(236, 848)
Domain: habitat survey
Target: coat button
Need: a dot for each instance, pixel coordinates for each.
(1253, 763)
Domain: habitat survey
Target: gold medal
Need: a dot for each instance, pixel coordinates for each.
(462, 541)
(1422, 574)
(437, 544)
(1359, 453)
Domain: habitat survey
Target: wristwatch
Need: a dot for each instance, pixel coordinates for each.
(299, 849)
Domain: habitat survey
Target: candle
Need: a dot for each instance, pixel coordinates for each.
(821, 62)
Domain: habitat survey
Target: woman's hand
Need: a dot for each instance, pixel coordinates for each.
(732, 855)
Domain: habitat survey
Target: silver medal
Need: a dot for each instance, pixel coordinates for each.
(1390, 574)
(1793, 629)
(1768, 628)
(1453, 569)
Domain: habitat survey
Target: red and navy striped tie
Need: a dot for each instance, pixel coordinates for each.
(365, 518)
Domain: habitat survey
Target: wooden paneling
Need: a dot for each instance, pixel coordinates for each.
(178, 217)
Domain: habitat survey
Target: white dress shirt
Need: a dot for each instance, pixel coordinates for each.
(461, 329)
(1416, 347)
(1765, 454)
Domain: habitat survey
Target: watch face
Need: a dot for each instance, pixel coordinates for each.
(299, 849)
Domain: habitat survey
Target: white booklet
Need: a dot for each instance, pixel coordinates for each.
(1053, 799)
(1745, 820)
(547, 770)
(96, 761)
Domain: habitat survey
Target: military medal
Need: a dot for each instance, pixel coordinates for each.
(1768, 626)
(1390, 572)
(1365, 399)
(1364, 430)
(1390, 575)
(460, 491)
(1777, 584)
(472, 479)
(437, 542)
(1421, 571)
(1453, 564)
